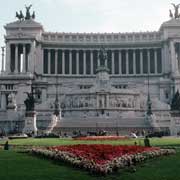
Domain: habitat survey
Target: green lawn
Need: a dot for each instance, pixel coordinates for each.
(21, 166)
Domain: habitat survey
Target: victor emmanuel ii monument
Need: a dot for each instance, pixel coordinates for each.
(114, 81)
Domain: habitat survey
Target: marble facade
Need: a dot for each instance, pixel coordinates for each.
(90, 96)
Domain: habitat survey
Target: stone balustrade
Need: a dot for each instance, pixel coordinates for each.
(101, 37)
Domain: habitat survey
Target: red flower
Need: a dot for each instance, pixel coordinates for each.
(100, 153)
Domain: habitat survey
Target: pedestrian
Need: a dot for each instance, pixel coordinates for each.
(146, 142)
(6, 146)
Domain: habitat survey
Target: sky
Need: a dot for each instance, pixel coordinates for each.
(90, 15)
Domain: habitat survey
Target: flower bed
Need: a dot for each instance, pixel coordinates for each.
(101, 159)
(101, 138)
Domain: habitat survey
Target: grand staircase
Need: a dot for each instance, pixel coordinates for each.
(112, 125)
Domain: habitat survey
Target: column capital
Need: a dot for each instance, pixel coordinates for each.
(91, 50)
(84, 50)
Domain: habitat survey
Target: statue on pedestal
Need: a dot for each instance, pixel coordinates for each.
(29, 102)
(20, 15)
(176, 14)
(102, 56)
(30, 115)
(28, 16)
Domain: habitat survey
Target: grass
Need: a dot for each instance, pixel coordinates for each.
(21, 166)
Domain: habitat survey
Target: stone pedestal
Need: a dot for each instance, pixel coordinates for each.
(30, 123)
(149, 120)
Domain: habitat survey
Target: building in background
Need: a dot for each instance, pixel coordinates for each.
(136, 71)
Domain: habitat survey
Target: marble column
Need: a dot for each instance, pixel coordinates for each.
(16, 58)
(8, 58)
(27, 59)
(134, 61)
(70, 61)
(98, 60)
(106, 60)
(56, 61)
(112, 67)
(63, 61)
(32, 57)
(166, 57)
(148, 58)
(127, 61)
(141, 61)
(77, 61)
(84, 62)
(91, 59)
(174, 63)
(43, 56)
(24, 58)
(163, 60)
(155, 60)
(49, 61)
(120, 62)
(103, 101)
(2, 65)
(3, 101)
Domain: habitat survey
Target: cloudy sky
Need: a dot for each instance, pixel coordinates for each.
(91, 15)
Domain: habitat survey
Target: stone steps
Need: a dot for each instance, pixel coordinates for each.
(102, 122)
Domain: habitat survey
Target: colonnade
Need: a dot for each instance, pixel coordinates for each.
(17, 57)
(85, 61)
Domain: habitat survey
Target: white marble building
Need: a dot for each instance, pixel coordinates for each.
(112, 98)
